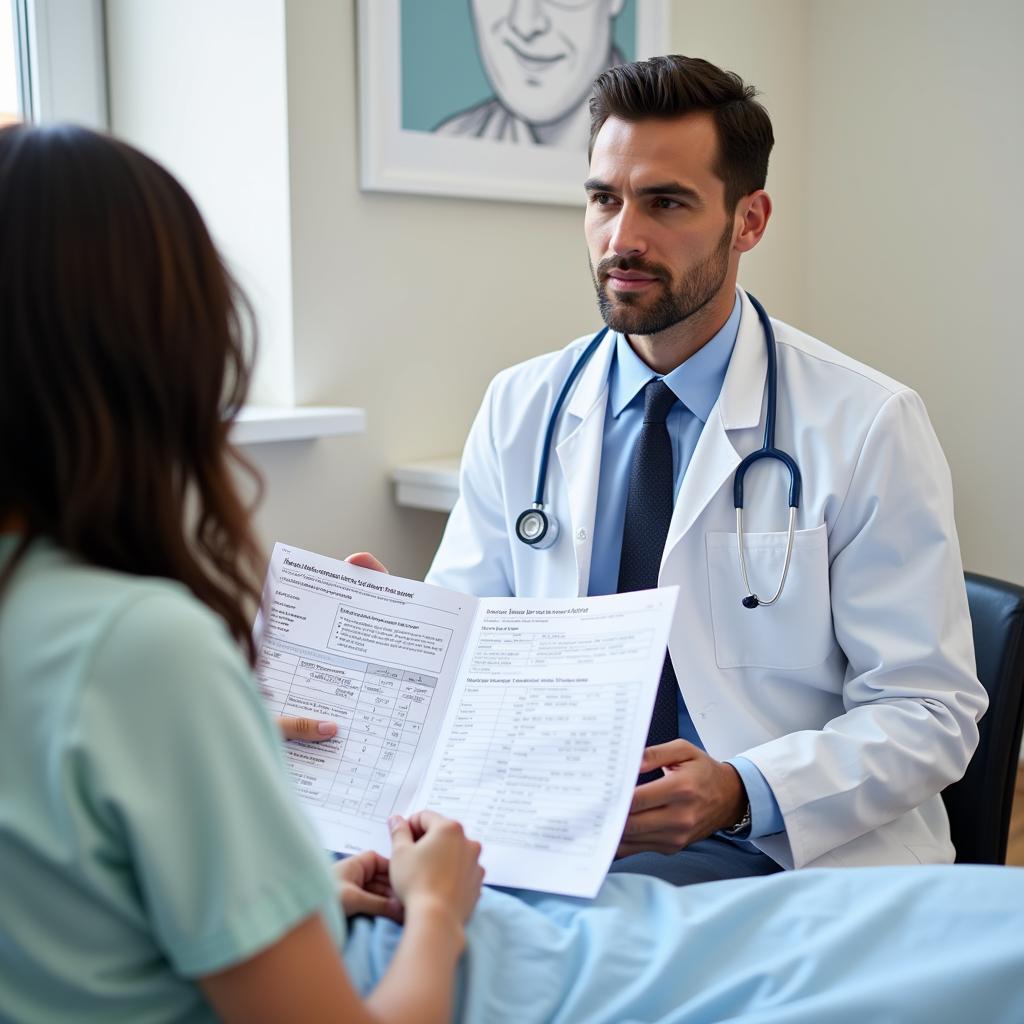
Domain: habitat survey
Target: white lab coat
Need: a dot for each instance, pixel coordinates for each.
(856, 694)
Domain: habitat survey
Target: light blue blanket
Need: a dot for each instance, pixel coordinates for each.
(851, 946)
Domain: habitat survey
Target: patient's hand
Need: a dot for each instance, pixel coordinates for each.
(695, 797)
(364, 887)
(311, 729)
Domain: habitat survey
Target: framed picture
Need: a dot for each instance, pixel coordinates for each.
(488, 98)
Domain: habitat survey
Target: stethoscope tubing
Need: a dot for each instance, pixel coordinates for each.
(536, 527)
(767, 451)
(549, 434)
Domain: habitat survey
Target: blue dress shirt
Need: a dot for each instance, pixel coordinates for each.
(697, 384)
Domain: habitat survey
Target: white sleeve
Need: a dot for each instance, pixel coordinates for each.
(474, 555)
(899, 607)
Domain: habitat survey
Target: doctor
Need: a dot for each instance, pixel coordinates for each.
(815, 730)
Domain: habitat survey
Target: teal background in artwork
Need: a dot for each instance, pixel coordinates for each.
(441, 70)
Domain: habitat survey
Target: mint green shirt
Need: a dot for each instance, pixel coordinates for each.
(148, 831)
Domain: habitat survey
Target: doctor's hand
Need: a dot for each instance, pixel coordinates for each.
(695, 797)
(367, 561)
(364, 886)
(313, 730)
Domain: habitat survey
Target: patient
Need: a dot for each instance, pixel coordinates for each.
(154, 865)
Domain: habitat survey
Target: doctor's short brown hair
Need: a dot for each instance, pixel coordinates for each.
(673, 86)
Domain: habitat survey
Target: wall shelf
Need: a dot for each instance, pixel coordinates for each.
(430, 484)
(264, 424)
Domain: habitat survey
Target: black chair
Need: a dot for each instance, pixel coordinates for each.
(979, 804)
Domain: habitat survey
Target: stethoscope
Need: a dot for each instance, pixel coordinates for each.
(538, 528)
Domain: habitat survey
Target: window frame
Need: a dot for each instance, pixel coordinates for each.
(61, 54)
(62, 67)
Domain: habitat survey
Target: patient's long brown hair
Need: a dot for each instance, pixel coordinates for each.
(123, 359)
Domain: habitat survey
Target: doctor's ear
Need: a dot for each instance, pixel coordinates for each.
(752, 215)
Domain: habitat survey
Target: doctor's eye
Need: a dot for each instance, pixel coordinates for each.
(667, 203)
(601, 198)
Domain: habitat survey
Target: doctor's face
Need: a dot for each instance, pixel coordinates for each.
(542, 56)
(659, 235)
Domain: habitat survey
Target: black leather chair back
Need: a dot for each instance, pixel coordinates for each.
(979, 804)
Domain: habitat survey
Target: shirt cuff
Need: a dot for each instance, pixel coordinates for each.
(765, 816)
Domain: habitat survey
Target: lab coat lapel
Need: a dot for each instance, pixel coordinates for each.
(738, 407)
(579, 455)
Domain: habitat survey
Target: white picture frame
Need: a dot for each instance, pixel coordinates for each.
(428, 162)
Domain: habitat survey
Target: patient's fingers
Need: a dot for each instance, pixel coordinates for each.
(363, 902)
(305, 728)
(382, 887)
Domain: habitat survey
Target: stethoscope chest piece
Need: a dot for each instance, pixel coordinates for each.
(536, 528)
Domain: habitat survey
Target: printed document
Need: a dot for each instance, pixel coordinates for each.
(524, 719)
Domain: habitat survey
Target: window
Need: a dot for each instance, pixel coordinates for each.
(12, 106)
(52, 52)
(215, 115)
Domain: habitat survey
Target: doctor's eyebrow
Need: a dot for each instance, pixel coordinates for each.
(669, 188)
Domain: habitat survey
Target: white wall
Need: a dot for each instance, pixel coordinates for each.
(201, 87)
(408, 305)
(911, 253)
(764, 43)
(897, 129)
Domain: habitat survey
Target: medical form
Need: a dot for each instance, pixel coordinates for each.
(525, 719)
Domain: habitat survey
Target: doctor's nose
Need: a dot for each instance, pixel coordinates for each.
(528, 19)
(627, 237)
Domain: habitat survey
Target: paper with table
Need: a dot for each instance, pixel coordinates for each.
(525, 719)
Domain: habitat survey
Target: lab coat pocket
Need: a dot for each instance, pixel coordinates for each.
(796, 631)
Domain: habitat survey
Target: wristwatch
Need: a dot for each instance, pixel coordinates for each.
(741, 829)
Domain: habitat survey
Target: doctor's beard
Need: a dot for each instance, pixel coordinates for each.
(637, 314)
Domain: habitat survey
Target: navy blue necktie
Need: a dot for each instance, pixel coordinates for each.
(648, 515)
